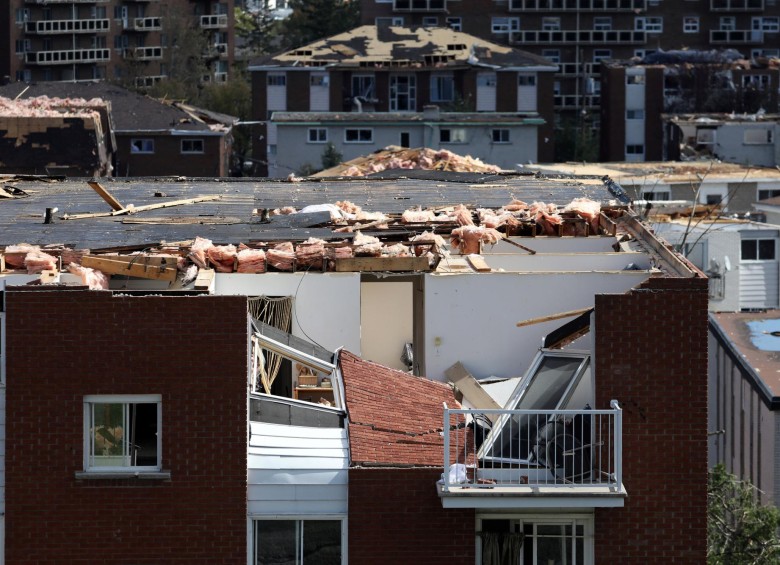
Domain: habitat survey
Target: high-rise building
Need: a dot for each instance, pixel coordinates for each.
(136, 41)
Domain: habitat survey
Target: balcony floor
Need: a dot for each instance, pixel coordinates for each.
(531, 496)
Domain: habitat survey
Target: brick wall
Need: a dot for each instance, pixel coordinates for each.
(395, 516)
(651, 355)
(64, 344)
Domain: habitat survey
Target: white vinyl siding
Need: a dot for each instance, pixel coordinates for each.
(526, 92)
(486, 92)
(276, 92)
(319, 92)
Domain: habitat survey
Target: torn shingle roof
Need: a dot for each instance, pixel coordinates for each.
(371, 45)
(394, 418)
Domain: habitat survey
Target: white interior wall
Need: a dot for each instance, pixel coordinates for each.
(472, 317)
(326, 308)
(386, 321)
(595, 244)
(559, 262)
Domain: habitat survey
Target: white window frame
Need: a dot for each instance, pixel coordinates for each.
(552, 55)
(602, 23)
(22, 15)
(319, 80)
(430, 21)
(276, 79)
(454, 23)
(320, 135)
(124, 399)
(251, 537)
(758, 258)
(407, 88)
(635, 149)
(551, 23)
(503, 135)
(359, 130)
(649, 24)
(768, 193)
(769, 53)
(437, 80)
(193, 140)
(601, 54)
(364, 80)
(637, 114)
(657, 195)
(767, 24)
(691, 24)
(455, 136)
(526, 79)
(727, 23)
(758, 136)
(394, 21)
(585, 520)
(502, 24)
(147, 146)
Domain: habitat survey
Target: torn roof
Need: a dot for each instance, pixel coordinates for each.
(717, 119)
(130, 111)
(754, 338)
(394, 417)
(370, 45)
(371, 118)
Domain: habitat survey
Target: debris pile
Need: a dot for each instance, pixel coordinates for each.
(45, 107)
(393, 157)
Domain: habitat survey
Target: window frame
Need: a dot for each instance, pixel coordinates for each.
(500, 25)
(252, 531)
(459, 139)
(437, 79)
(276, 79)
(123, 399)
(192, 151)
(504, 136)
(361, 81)
(649, 24)
(602, 23)
(145, 141)
(691, 24)
(358, 140)
(318, 137)
(455, 23)
(759, 254)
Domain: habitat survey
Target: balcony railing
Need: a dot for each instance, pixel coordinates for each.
(517, 451)
(572, 101)
(581, 5)
(219, 21)
(577, 69)
(737, 5)
(419, 5)
(67, 56)
(147, 81)
(736, 36)
(147, 24)
(45, 27)
(65, 1)
(574, 37)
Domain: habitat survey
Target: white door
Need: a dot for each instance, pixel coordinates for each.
(526, 92)
(276, 93)
(486, 92)
(319, 93)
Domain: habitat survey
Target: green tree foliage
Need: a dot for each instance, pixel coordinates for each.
(317, 19)
(235, 99)
(257, 30)
(740, 530)
(330, 156)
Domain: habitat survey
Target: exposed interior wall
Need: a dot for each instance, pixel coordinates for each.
(326, 307)
(560, 262)
(472, 317)
(386, 321)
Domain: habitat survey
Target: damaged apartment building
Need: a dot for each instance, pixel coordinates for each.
(440, 368)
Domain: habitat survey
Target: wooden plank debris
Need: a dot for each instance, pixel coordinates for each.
(50, 277)
(135, 209)
(478, 263)
(155, 268)
(551, 317)
(105, 195)
(607, 225)
(470, 388)
(205, 279)
(376, 264)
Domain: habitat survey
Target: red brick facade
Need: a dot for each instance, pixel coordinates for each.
(395, 517)
(64, 344)
(651, 356)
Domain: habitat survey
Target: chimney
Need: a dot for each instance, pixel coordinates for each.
(431, 113)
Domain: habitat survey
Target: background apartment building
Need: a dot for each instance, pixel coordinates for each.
(130, 40)
(578, 34)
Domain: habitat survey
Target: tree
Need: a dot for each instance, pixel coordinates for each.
(740, 530)
(330, 156)
(233, 98)
(312, 20)
(258, 30)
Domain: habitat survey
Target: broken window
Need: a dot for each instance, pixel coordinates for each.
(122, 432)
(142, 146)
(298, 542)
(549, 385)
(363, 86)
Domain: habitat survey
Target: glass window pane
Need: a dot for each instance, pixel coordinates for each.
(749, 250)
(143, 434)
(766, 249)
(321, 542)
(275, 542)
(108, 435)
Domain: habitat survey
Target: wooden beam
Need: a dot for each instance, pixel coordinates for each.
(376, 264)
(116, 265)
(523, 247)
(470, 387)
(135, 209)
(607, 225)
(551, 317)
(205, 279)
(105, 195)
(478, 263)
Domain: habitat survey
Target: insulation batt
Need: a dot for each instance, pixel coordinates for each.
(462, 215)
(223, 257)
(310, 254)
(348, 207)
(516, 206)
(417, 216)
(92, 278)
(397, 250)
(37, 261)
(366, 245)
(251, 261)
(468, 238)
(428, 237)
(281, 256)
(198, 251)
(15, 254)
(587, 209)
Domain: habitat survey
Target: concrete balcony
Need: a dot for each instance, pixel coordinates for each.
(574, 37)
(735, 37)
(574, 102)
(54, 27)
(146, 24)
(419, 5)
(532, 458)
(574, 5)
(144, 53)
(214, 21)
(67, 56)
(737, 5)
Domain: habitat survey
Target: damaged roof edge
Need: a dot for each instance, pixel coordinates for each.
(673, 260)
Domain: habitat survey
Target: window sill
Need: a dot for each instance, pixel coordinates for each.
(109, 475)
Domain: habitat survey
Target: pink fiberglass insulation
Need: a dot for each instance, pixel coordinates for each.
(93, 278)
(310, 254)
(587, 209)
(199, 250)
(468, 238)
(223, 257)
(37, 261)
(281, 257)
(251, 261)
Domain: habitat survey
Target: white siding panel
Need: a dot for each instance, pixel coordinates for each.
(277, 98)
(758, 284)
(319, 94)
(279, 430)
(300, 443)
(526, 98)
(297, 476)
(281, 462)
(295, 508)
(486, 92)
(298, 492)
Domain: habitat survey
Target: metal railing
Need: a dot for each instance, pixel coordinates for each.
(736, 36)
(67, 26)
(581, 5)
(214, 21)
(570, 36)
(736, 5)
(486, 449)
(67, 56)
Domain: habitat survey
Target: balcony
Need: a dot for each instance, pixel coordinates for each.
(735, 36)
(67, 57)
(144, 53)
(53, 27)
(148, 81)
(574, 102)
(578, 69)
(573, 37)
(214, 21)
(220, 77)
(581, 5)
(532, 458)
(65, 1)
(419, 5)
(737, 5)
(147, 24)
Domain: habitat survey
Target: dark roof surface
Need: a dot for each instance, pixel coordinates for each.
(131, 111)
(230, 219)
(372, 117)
